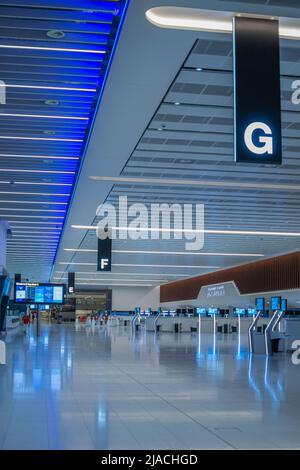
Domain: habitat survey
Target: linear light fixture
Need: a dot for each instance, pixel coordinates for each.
(15, 242)
(32, 216)
(112, 284)
(40, 183)
(44, 116)
(35, 202)
(17, 227)
(25, 193)
(62, 88)
(150, 252)
(29, 252)
(16, 232)
(199, 182)
(140, 265)
(32, 248)
(217, 232)
(165, 266)
(190, 18)
(44, 157)
(46, 172)
(40, 223)
(30, 210)
(29, 236)
(125, 274)
(59, 49)
(39, 245)
(212, 21)
(114, 279)
(54, 139)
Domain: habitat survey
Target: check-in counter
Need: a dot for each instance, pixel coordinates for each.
(118, 319)
(291, 328)
(150, 323)
(169, 324)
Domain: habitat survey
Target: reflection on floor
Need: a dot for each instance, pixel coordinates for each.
(107, 389)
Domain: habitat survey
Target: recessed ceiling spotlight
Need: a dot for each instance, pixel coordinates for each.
(52, 102)
(177, 103)
(198, 69)
(55, 34)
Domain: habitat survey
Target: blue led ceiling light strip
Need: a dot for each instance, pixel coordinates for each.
(119, 16)
(80, 97)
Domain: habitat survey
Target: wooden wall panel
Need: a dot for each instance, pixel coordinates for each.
(274, 274)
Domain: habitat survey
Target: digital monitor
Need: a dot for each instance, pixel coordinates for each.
(275, 303)
(240, 311)
(38, 293)
(32, 306)
(201, 311)
(260, 303)
(45, 307)
(213, 311)
(251, 311)
(284, 305)
(190, 310)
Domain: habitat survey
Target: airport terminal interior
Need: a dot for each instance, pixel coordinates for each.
(149, 225)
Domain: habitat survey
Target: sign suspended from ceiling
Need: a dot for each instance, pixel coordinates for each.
(104, 254)
(257, 113)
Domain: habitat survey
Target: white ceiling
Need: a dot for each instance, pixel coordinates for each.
(152, 70)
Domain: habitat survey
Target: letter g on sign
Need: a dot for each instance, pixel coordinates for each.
(265, 139)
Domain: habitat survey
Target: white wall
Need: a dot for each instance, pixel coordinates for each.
(127, 298)
(3, 237)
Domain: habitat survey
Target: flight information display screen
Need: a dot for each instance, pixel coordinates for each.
(275, 303)
(284, 305)
(37, 293)
(260, 303)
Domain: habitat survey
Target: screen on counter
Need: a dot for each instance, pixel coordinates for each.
(275, 303)
(201, 311)
(284, 305)
(251, 311)
(30, 292)
(260, 303)
(240, 311)
(213, 311)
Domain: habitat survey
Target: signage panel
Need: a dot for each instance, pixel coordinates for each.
(71, 282)
(104, 254)
(256, 70)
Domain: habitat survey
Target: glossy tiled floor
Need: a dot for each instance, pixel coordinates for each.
(108, 390)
